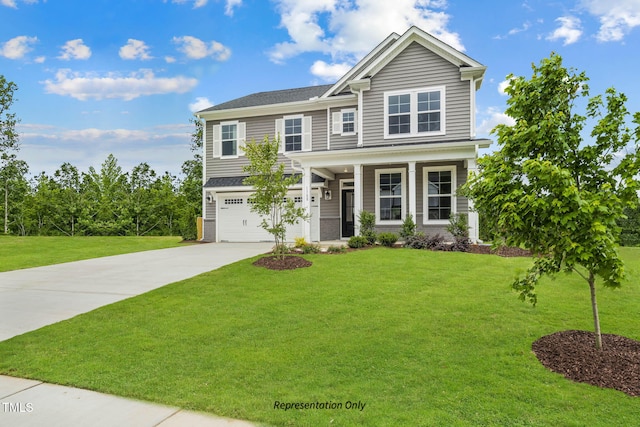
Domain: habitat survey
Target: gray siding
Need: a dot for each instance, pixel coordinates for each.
(339, 142)
(416, 67)
(257, 128)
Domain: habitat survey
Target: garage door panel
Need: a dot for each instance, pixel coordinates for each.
(238, 224)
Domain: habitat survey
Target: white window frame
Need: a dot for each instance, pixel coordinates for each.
(306, 130)
(403, 190)
(338, 122)
(217, 139)
(425, 185)
(413, 112)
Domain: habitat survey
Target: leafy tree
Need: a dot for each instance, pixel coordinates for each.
(141, 199)
(190, 191)
(105, 212)
(550, 191)
(271, 186)
(14, 186)
(69, 197)
(10, 167)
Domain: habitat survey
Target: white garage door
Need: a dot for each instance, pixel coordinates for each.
(236, 222)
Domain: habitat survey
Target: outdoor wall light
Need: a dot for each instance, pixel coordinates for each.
(209, 198)
(327, 194)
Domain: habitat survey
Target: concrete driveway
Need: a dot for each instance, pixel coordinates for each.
(35, 297)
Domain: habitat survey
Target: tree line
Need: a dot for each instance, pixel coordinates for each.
(108, 201)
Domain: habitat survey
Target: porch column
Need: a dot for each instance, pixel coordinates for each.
(472, 216)
(412, 190)
(306, 201)
(357, 197)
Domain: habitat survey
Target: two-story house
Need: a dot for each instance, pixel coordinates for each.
(394, 136)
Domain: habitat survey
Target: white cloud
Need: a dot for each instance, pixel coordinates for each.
(491, 118)
(196, 3)
(200, 104)
(617, 18)
(195, 48)
(231, 4)
(84, 86)
(135, 49)
(17, 47)
(75, 49)
(502, 86)
(353, 28)
(569, 31)
(13, 4)
(169, 59)
(329, 72)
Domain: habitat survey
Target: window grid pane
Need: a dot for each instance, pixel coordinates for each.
(293, 134)
(439, 195)
(399, 114)
(390, 193)
(229, 138)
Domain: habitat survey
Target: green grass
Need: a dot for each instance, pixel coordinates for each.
(422, 338)
(36, 251)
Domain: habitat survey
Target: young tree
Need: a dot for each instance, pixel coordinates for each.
(271, 186)
(190, 190)
(552, 192)
(10, 167)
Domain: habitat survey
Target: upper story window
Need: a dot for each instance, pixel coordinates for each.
(228, 138)
(414, 112)
(294, 133)
(345, 122)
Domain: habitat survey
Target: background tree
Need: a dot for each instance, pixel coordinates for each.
(271, 186)
(10, 167)
(190, 189)
(550, 191)
(14, 188)
(68, 196)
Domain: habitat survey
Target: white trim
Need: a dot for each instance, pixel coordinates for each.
(413, 112)
(237, 140)
(425, 196)
(403, 195)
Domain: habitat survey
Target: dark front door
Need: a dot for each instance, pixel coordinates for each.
(347, 213)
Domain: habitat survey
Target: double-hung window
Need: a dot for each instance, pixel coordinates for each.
(345, 122)
(228, 139)
(390, 196)
(294, 133)
(439, 199)
(414, 112)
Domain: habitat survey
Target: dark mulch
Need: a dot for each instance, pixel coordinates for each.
(288, 263)
(573, 354)
(502, 251)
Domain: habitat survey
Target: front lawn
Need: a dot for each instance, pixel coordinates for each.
(35, 251)
(418, 337)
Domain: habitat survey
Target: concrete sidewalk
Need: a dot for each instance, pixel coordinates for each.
(36, 297)
(27, 403)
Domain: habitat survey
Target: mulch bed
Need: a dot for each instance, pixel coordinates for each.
(502, 251)
(288, 263)
(574, 355)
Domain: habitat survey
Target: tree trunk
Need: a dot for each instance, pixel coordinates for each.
(6, 207)
(594, 307)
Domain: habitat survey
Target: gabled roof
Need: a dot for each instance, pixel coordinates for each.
(368, 66)
(394, 45)
(272, 97)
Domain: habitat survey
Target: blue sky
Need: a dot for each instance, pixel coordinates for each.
(124, 77)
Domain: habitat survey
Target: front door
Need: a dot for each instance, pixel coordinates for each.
(347, 213)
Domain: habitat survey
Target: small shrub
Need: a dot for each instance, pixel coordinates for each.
(300, 242)
(310, 249)
(408, 227)
(458, 225)
(460, 244)
(387, 239)
(356, 242)
(367, 226)
(417, 241)
(436, 243)
(333, 249)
